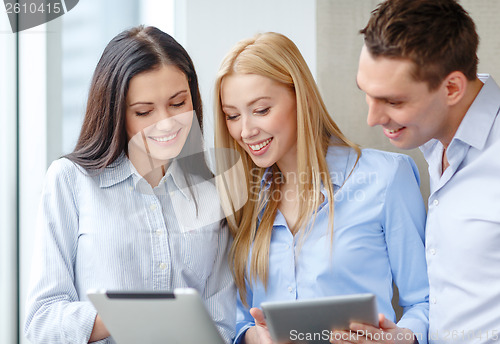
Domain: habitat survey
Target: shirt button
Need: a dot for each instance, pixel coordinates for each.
(290, 289)
(163, 266)
(159, 232)
(131, 188)
(436, 202)
(152, 207)
(432, 251)
(433, 300)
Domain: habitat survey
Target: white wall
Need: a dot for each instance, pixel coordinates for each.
(485, 15)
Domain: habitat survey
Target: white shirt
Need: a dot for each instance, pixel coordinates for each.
(111, 230)
(463, 227)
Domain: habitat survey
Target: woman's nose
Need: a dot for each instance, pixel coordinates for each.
(248, 128)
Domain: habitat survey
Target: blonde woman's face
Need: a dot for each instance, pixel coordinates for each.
(261, 115)
(159, 113)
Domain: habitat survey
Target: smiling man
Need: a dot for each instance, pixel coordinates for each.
(418, 69)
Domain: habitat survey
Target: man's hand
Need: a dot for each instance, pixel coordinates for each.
(387, 333)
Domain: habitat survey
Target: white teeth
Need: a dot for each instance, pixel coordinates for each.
(393, 131)
(260, 146)
(164, 138)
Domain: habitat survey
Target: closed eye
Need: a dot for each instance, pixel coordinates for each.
(262, 112)
(142, 113)
(179, 104)
(231, 117)
(393, 103)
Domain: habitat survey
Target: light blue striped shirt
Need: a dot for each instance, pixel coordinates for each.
(378, 239)
(111, 230)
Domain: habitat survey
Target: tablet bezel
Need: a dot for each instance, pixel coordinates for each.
(155, 316)
(295, 321)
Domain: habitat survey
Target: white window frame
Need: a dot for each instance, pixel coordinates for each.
(8, 183)
(40, 135)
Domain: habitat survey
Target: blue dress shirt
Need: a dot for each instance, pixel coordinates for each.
(111, 230)
(378, 239)
(463, 227)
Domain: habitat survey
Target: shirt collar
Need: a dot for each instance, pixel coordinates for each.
(340, 161)
(178, 176)
(116, 172)
(122, 168)
(428, 147)
(478, 121)
(265, 184)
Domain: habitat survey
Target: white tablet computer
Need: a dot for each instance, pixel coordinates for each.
(155, 317)
(311, 321)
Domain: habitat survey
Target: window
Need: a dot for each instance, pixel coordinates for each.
(8, 182)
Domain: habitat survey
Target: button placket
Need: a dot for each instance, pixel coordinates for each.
(160, 248)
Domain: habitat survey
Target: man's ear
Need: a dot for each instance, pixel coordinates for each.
(455, 84)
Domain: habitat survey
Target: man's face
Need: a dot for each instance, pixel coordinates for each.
(408, 112)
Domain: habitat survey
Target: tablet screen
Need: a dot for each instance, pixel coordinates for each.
(155, 317)
(312, 321)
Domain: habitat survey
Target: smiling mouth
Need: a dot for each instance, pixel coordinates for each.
(393, 131)
(165, 138)
(261, 145)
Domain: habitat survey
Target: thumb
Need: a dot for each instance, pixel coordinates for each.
(258, 315)
(385, 323)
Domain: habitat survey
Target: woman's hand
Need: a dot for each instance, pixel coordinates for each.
(387, 333)
(99, 331)
(258, 334)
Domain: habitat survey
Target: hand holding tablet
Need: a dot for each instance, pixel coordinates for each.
(149, 317)
(386, 332)
(313, 321)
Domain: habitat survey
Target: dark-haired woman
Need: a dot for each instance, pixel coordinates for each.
(133, 206)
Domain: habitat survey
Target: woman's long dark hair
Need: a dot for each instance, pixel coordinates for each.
(103, 136)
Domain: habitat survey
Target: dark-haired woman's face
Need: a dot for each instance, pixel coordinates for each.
(159, 113)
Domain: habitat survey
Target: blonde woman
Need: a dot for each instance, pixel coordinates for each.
(323, 217)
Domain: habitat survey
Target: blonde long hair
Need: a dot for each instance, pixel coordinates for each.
(274, 56)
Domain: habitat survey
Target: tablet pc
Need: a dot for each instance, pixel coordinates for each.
(155, 317)
(311, 321)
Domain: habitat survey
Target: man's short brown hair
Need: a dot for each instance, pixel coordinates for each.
(439, 36)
